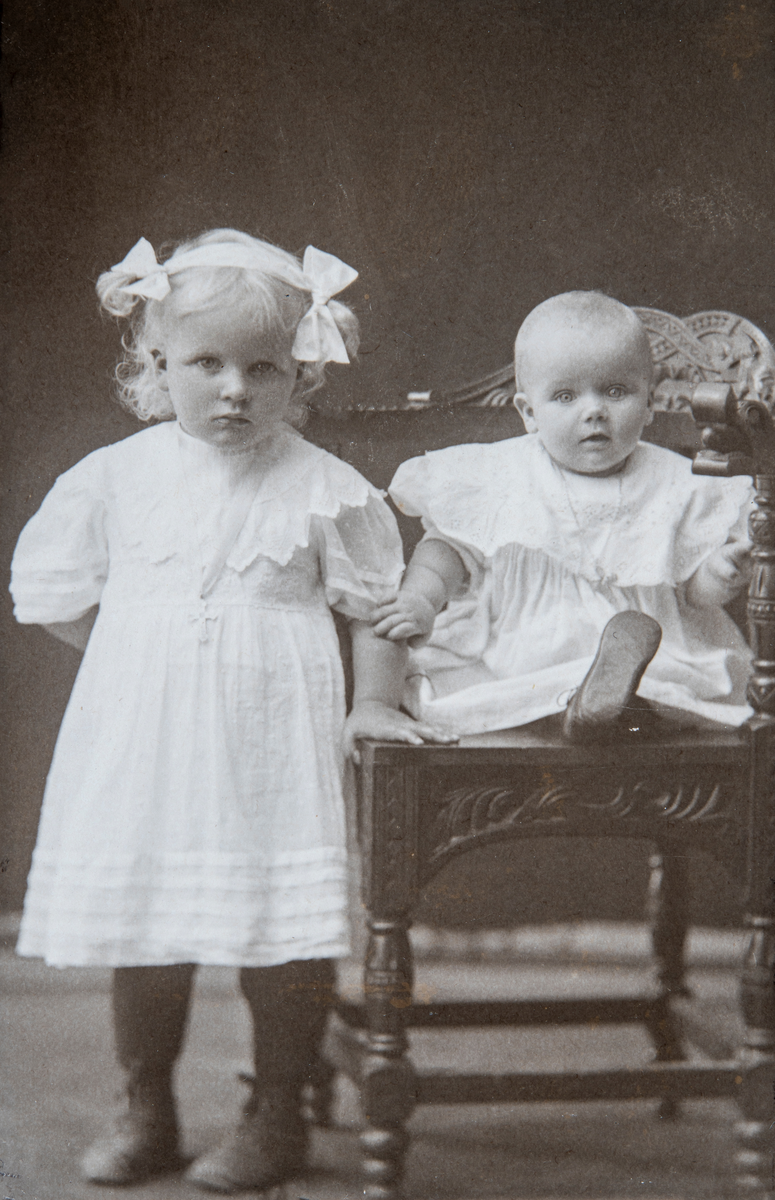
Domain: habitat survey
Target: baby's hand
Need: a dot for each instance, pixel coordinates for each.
(409, 616)
(731, 567)
(722, 575)
(373, 719)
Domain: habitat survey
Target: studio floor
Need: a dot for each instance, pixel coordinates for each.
(59, 1083)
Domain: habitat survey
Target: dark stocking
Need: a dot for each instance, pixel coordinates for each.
(150, 1007)
(289, 1005)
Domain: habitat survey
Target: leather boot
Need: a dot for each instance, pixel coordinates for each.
(289, 1006)
(267, 1146)
(150, 1005)
(606, 705)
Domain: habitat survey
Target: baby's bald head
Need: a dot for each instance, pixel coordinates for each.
(572, 316)
(584, 380)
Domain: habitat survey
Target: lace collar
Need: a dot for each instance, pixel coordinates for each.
(660, 520)
(294, 482)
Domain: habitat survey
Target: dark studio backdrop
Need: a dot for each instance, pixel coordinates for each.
(469, 157)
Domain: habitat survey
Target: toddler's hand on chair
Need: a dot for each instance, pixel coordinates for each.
(409, 618)
(373, 719)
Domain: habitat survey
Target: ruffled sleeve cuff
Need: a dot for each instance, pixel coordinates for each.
(361, 557)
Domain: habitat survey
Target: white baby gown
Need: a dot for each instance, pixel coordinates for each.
(193, 810)
(552, 556)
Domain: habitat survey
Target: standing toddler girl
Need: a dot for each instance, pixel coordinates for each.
(193, 812)
(576, 566)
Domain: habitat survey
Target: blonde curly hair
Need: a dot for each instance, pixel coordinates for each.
(277, 297)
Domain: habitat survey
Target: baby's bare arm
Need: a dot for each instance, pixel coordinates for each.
(74, 633)
(434, 574)
(379, 669)
(721, 577)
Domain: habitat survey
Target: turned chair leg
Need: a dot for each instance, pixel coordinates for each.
(755, 1144)
(387, 1082)
(668, 915)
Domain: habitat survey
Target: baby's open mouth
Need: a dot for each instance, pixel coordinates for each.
(597, 437)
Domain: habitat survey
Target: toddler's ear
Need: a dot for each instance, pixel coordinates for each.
(301, 384)
(525, 410)
(160, 369)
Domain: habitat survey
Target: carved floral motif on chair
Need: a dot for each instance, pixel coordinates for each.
(711, 347)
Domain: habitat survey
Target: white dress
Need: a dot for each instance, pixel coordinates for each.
(551, 556)
(193, 810)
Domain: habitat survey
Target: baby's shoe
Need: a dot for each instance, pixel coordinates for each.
(267, 1147)
(142, 1140)
(606, 706)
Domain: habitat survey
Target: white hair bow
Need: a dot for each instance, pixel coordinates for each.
(149, 276)
(317, 336)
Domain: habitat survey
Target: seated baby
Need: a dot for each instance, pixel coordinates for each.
(575, 568)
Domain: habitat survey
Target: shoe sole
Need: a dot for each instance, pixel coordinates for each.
(203, 1176)
(168, 1167)
(627, 645)
(230, 1187)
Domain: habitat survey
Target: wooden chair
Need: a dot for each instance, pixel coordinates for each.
(421, 806)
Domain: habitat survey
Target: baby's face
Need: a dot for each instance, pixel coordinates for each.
(229, 383)
(586, 391)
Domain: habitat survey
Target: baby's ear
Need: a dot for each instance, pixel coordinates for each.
(650, 413)
(160, 369)
(525, 410)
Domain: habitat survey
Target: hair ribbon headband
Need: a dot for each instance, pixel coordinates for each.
(324, 275)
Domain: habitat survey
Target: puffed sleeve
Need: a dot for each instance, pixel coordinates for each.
(361, 557)
(413, 486)
(419, 489)
(60, 564)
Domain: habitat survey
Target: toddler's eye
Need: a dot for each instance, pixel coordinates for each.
(616, 392)
(208, 363)
(262, 368)
(564, 397)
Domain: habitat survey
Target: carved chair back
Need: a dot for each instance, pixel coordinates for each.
(707, 347)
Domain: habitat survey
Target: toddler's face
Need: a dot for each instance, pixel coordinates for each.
(587, 394)
(229, 383)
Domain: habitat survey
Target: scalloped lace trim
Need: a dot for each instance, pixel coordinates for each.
(510, 493)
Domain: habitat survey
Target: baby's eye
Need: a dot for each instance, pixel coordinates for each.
(564, 397)
(208, 362)
(616, 392)
(262, 368)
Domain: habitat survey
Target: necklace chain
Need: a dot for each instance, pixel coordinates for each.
(597, 559)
